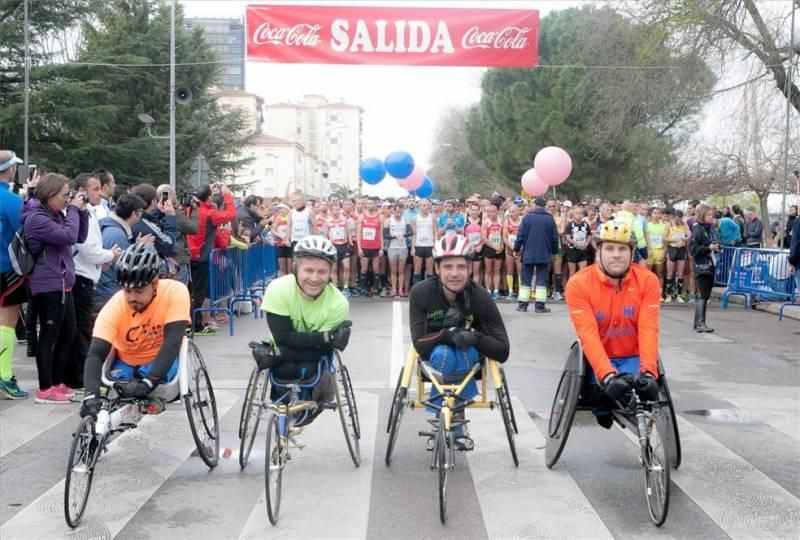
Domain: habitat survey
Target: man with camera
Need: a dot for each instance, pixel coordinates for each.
(158, 219)
(186, 224)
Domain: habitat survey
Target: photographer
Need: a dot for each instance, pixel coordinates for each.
(704, 246)
(186, 224)
(158, 219)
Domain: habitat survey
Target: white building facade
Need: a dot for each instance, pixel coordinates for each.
(278, 167)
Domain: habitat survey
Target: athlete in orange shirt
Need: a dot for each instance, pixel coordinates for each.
(614, 307)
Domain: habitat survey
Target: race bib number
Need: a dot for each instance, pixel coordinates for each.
(656, 241)
(338, 234)
(678, 240)
(368, 234)
(474, 238)
(299, 229)
(424, 240)
(495, 238)
(282, 231)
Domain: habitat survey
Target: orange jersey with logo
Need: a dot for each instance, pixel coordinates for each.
(616, 321)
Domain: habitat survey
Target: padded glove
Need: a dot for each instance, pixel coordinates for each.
(465, 339)
(618, 385)
(647, 387)
(265, 355)
(339, 336)
(91, 405)
(136, 388)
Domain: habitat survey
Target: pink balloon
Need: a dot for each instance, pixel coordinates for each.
(413, 180)
(532, 184)
(553, 165)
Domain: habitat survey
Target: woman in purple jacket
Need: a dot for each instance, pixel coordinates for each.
(53, 222)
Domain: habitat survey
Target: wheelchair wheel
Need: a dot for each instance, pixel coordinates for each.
(562, 414)
(80, 471)
(201, 407)
(510, 407)
(395, 417)
(672, 426)
(440, 449)
(255, 407)
(245, 404)
(504, 402)
(274, 463)
(656, 461)
(348, 412)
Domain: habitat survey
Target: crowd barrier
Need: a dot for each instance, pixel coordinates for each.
(723, 269)
(239, 275)
(760, 275)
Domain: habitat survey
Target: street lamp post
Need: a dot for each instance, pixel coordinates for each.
(172, 172)
(27, 90)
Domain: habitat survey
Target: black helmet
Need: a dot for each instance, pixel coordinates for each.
(137, 266)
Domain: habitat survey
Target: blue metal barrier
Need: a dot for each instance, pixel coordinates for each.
(238, 275)
(724, 262)
(760, 274)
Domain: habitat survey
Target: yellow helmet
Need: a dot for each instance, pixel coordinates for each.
(617, 232)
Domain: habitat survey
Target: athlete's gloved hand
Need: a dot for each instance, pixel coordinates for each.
(465, 339)
(136, 388)
(618, 385)
(454, 318)
(339, 336)
(647, 387)
(91, 405)
(265, 355)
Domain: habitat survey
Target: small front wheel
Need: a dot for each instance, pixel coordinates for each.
(255, 407)
(274, 463)
(80, 471)
(504, 401)
(656, 461)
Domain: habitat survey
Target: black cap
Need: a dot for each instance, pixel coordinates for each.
(538, 201)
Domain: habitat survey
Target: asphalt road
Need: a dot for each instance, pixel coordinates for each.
(737, 393)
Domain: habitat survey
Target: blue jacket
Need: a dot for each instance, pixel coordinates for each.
(10, 213)
(51, 236)
(537, 237)
(113, 233)
(163, 228)
(794, 247)
(730, 233)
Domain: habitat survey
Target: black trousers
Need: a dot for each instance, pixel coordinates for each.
(199, 289)
(56, 333)
(704, 285)
(83, 298)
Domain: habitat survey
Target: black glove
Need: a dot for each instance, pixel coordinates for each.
(136, 388)
(647, 387)
(339, 336)
(465, 339)
(265, 355)
(91, 405)
(454, 318)
(618, 385)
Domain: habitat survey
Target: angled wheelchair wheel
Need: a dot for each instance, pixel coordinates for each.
(510, 407)
(656, 461)
(565, 403)
(442, 467)
(672, 424)
(504, 402)
(348, 411)
(395, 417)
(201, 407)
(247, 401)
(80, 471)
(255, 408)
(274, 462)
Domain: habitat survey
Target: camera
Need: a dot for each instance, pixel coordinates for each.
(188, 199)
(165, 196)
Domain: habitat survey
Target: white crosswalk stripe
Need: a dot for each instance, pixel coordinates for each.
(36, 418)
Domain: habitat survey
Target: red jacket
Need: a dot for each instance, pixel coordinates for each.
(209, 219)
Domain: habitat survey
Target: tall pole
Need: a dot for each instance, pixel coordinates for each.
(27, 82)
(788, 115)
(172, 96)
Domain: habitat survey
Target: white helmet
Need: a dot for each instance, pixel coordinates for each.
(315, 246)
(452, 245)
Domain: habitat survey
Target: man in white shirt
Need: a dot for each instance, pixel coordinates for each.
(90, 258)
(107, 185)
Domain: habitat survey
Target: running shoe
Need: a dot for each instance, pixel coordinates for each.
(205, 331)
(403, 294)
(347, 292)
(680, 299)
(10, 390)
(668, 300)
(392, 293)
(495, 295)
(64, 389)
(384, 292)
(690, 299)
(51, 396)
(511, 297)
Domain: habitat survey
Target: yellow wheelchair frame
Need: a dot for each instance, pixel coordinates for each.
(444, 441)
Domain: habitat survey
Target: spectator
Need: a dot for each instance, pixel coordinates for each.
(248, 217)
(89, 257)
(158, 219)
(13, 292)
(119, 191)
(704, 246)
(730, 234)
(107, 186)
(537, 238)
(51, 235)
(116, 230)
(186, 225)
(738, 218)
(753, 234)
(794, 255)
(201, 244)
(790, 221)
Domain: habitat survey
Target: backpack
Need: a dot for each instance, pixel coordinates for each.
(22, 259)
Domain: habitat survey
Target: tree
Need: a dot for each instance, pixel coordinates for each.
(620, 123)
(718, 28)
(85, 115)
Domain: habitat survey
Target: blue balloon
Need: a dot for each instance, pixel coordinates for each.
(399, 164)
(425, 190)
(371, 171)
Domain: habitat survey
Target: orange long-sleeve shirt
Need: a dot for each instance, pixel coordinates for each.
(616, 321)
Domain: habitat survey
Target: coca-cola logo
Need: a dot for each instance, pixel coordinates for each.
(510, 37)
(299, 35)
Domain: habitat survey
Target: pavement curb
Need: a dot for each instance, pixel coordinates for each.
(792, 312)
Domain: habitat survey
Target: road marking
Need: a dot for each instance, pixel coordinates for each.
(742, 500)
(30, 421)
(777, 411)
(324, 495)
(530, 501)
(398, 356)
(136, 465)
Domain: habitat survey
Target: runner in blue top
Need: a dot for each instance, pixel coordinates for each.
(450, 221)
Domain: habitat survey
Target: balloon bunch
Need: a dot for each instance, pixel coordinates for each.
(401, 166)
(551, 167)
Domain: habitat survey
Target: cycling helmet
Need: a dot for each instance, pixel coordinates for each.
(452, 245)
(137, 266)
(617, 232)
(315, 246)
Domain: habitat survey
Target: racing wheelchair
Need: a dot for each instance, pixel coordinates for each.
(654, 423)
(445, 398)
(291, 408)
(120, 414)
